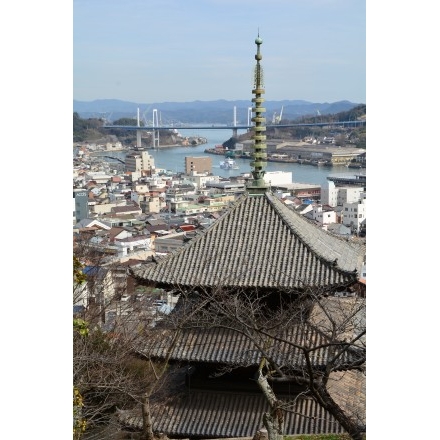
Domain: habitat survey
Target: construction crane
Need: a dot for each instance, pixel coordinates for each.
(277, 119)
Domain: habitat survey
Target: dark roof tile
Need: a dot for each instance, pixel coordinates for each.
(208, 414)
(228, 347)
(260, 242)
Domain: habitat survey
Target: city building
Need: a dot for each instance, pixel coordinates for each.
(81, 205)
(275, 178)
(141, 163)
(202, 164)
(226, 187)
(300, 190)
(338, 195)
(354, 215)
(308, 152)
(322, 215)
(201, 179)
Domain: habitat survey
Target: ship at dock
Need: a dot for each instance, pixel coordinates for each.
(229, 164)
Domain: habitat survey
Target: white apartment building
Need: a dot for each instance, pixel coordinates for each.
(278, 177)
(329, 194)
(138, 162)
(333, 195)
(354, 214)
(350, 195)
(200, 179)
(156, 182)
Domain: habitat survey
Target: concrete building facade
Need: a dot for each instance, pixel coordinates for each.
(200, 180)
(354, 215)
(138, 162)
(200, 164)
(333, 195)
(81, 205)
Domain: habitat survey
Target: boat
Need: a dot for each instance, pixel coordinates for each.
(319, 162)
(229, 164)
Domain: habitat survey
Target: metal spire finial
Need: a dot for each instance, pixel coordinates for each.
(258, 184)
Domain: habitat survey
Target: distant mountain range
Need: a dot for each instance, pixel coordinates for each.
(204, 112)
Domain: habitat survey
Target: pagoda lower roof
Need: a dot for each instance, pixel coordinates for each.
(259, 242)
(214, 414)
(224, 346)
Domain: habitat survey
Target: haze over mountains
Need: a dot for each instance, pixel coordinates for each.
(210, 112)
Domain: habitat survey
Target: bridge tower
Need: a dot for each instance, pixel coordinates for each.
(249, 116)
(259, 155)
(234, 130)
(138, 132)
(155, 132)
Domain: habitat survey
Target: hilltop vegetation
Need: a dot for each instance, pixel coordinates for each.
(92, 130)
(353, 135)
(205, 112)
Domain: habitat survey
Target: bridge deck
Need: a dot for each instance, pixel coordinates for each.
(232, 127)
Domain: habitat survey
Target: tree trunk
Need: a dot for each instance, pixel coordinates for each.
(271, 424)
(147, 428)
(355, 430)
(273, 421)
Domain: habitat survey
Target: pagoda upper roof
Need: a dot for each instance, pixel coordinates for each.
(259, 242)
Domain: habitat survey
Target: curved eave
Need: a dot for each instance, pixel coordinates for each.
(227, 347)
(260, 243)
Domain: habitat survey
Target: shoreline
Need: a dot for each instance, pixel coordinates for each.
(222, 152)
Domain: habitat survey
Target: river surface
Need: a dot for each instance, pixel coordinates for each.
(173, 159)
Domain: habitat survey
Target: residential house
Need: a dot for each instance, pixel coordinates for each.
(89, 223)
(138, 244)
(322, 214)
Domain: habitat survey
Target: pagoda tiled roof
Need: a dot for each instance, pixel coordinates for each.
(229, 347)
(196, 413)
(259, 242)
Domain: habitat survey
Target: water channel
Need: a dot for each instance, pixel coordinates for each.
(173, 159)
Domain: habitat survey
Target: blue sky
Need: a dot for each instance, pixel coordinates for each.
(174, 50)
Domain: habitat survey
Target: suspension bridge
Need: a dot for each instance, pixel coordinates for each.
(156, 126)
